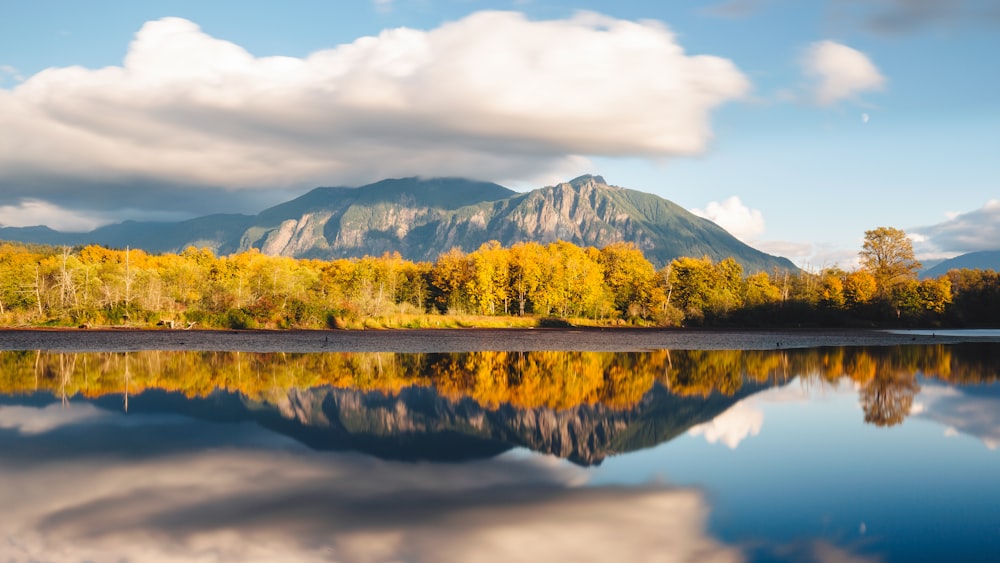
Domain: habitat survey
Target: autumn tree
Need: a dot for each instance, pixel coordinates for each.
(450, 277)
(490, 278)
(888, 255)
(526, 272)
(887, 398)
(631, 279)
(859, 288)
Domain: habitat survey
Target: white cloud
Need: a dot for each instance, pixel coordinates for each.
(32, 420)
(839, 72)
(961, 233)
(739, 422)
(962, 412)
(32, 212)
(493, 95)
(741, 221)
(383, 5)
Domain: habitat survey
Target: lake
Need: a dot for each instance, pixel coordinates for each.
(499, 446)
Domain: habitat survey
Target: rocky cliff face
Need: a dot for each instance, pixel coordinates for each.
(586, 211)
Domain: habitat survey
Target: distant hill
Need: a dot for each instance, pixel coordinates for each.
(982, 260)
(421, 218)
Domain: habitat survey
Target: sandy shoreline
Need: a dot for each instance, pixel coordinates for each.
(461, 340)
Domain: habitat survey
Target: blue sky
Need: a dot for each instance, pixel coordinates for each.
(795, 124)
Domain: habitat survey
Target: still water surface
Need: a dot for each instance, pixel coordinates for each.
(812, 454)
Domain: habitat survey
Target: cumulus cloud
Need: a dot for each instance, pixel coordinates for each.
(961, 233)
(493, 95)
(227, 503)
(739, 422)
(741, 221)
(839, 72)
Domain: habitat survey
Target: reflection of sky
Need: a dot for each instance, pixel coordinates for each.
(191, 495)
(971, 410)
(816, 470)
(790, 473)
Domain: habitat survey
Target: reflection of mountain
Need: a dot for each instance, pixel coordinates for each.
(419, 424)
(583, 406)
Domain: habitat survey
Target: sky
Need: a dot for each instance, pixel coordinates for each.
(797, 125)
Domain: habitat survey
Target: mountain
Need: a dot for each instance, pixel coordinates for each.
(982, 260)
(421, 218)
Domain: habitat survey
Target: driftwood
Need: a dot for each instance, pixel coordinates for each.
(172, 324)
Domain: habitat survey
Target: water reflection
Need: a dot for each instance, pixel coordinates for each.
(582, 406)
(187, 456)
(199, 497)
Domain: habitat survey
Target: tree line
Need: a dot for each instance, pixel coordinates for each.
(527, 282)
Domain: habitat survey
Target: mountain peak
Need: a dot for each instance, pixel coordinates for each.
(587, 179)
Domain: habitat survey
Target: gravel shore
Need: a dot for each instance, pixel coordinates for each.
(468, 340)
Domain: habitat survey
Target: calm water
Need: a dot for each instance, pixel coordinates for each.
(810, 454)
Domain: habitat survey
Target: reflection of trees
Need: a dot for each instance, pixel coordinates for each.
(888, 398)
(545, 379)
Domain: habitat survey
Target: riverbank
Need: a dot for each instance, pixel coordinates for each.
(467, 340)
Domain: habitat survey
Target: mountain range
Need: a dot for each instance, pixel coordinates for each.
(981, 260)
(422, 218)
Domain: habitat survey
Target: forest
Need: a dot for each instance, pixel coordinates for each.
(527, 284)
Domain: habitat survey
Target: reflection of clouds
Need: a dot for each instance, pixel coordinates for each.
(32, 420)
(825, 552)
(733, 426)
(745, 418)
(220, 503)
(961, 411)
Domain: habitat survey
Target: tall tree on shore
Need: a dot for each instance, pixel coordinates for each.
(888, 255)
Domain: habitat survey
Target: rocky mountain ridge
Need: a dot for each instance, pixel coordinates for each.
(422, 218)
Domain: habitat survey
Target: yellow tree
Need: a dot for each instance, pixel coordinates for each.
(935, 294)
(760, 290)
(577, 280)
(450, 276)
(832, 288)
(859, 288)
(526, 271)
(691, 281)
(888, 256)
(489, 282)
(631, 279)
